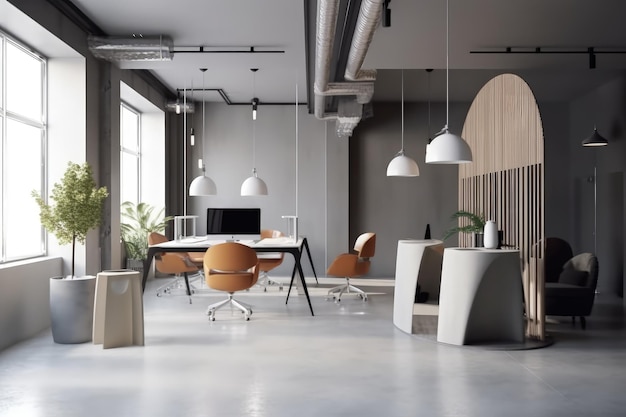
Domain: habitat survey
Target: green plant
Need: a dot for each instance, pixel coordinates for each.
(138, 221)
(77, 209)
(473, 223)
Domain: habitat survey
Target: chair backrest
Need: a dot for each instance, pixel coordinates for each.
(229, 257)
(365, 245)
(557, 253)
(586, 262)
(155, 238)
(269, 233)
(168, 263)
(231, 267)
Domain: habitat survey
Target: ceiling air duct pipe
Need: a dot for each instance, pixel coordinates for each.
(361, 82)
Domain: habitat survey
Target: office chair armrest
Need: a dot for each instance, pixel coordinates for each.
(344, 265)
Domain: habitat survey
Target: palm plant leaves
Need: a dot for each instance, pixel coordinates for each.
(468, 222)
(138, 221)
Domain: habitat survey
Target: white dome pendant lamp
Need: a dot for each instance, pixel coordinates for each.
(202, 185)
(253, 185)
(401, 165)
(448, 148)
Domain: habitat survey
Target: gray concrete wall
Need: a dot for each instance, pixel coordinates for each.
(322, 167)
(24, 298)
(606, 108)
(397, 207)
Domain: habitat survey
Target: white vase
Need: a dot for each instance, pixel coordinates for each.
(490, 238)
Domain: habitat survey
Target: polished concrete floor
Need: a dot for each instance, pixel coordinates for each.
(348, 360)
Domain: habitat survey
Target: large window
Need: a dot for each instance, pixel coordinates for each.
(23, 150)
(130, 157)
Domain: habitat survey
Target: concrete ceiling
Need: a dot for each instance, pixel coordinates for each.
(415, 40)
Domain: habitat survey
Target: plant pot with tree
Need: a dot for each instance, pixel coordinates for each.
(138, 221)
(468, 222)
(77, 208)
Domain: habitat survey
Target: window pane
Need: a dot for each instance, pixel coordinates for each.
(129, 184)
(24, 83)
(1, 70)
(130, 129)
(21, 214)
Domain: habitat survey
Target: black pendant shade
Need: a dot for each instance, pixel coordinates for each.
(595, 139)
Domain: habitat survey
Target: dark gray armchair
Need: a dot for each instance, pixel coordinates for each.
(574, 292)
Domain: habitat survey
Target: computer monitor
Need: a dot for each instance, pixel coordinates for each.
(234, 223)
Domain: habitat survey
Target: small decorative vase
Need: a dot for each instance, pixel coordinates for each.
(491, 235)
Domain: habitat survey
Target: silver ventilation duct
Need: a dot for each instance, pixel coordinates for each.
(369, 18)
(362, 87)
(140, 48)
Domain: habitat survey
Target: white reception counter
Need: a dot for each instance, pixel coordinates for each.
(481, 297)
(417, 261)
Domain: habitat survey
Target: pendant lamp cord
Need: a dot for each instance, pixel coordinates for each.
(253, 124)
(185, 155)
(429, 139)
(193, 134)
(402, 134)
(203, 113)
(447, 64)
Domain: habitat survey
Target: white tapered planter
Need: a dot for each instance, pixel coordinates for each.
(491, 235)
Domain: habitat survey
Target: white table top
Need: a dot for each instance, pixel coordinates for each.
(206, 242)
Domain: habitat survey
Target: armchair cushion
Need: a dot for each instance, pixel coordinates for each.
(573, 277)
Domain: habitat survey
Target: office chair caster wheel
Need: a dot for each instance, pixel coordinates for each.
(264, 289)
(280, 288)
(212, 318)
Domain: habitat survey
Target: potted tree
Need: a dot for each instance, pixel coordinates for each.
(77, 209)
(467, 222)
(138, 221)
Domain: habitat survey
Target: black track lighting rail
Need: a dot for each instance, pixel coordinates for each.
(591, 51)
(232, 103)
(214, 50)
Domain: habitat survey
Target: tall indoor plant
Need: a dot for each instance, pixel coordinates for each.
(138, 221)
(77, 208)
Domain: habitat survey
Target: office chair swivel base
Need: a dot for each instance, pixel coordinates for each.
(179, 282)
(345, 288)
(246, 309)
(265, 281)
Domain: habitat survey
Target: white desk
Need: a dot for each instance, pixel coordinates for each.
(417, 261)
(481, 297)
(198, 244)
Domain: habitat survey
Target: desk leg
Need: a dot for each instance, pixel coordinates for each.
(293, 275)
(297, 255)
(305, 243)
(146, 268)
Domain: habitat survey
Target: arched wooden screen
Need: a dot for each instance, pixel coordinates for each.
(506, 180)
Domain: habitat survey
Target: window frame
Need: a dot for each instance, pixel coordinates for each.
(42, 125)
(137, 154)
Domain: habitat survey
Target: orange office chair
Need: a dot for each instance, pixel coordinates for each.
(351, 265)
(172, 263)
(269, 261)
(230, 267)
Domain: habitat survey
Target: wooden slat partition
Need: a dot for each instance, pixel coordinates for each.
(505, 182)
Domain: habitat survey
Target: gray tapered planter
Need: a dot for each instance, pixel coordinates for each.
(71, 308)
